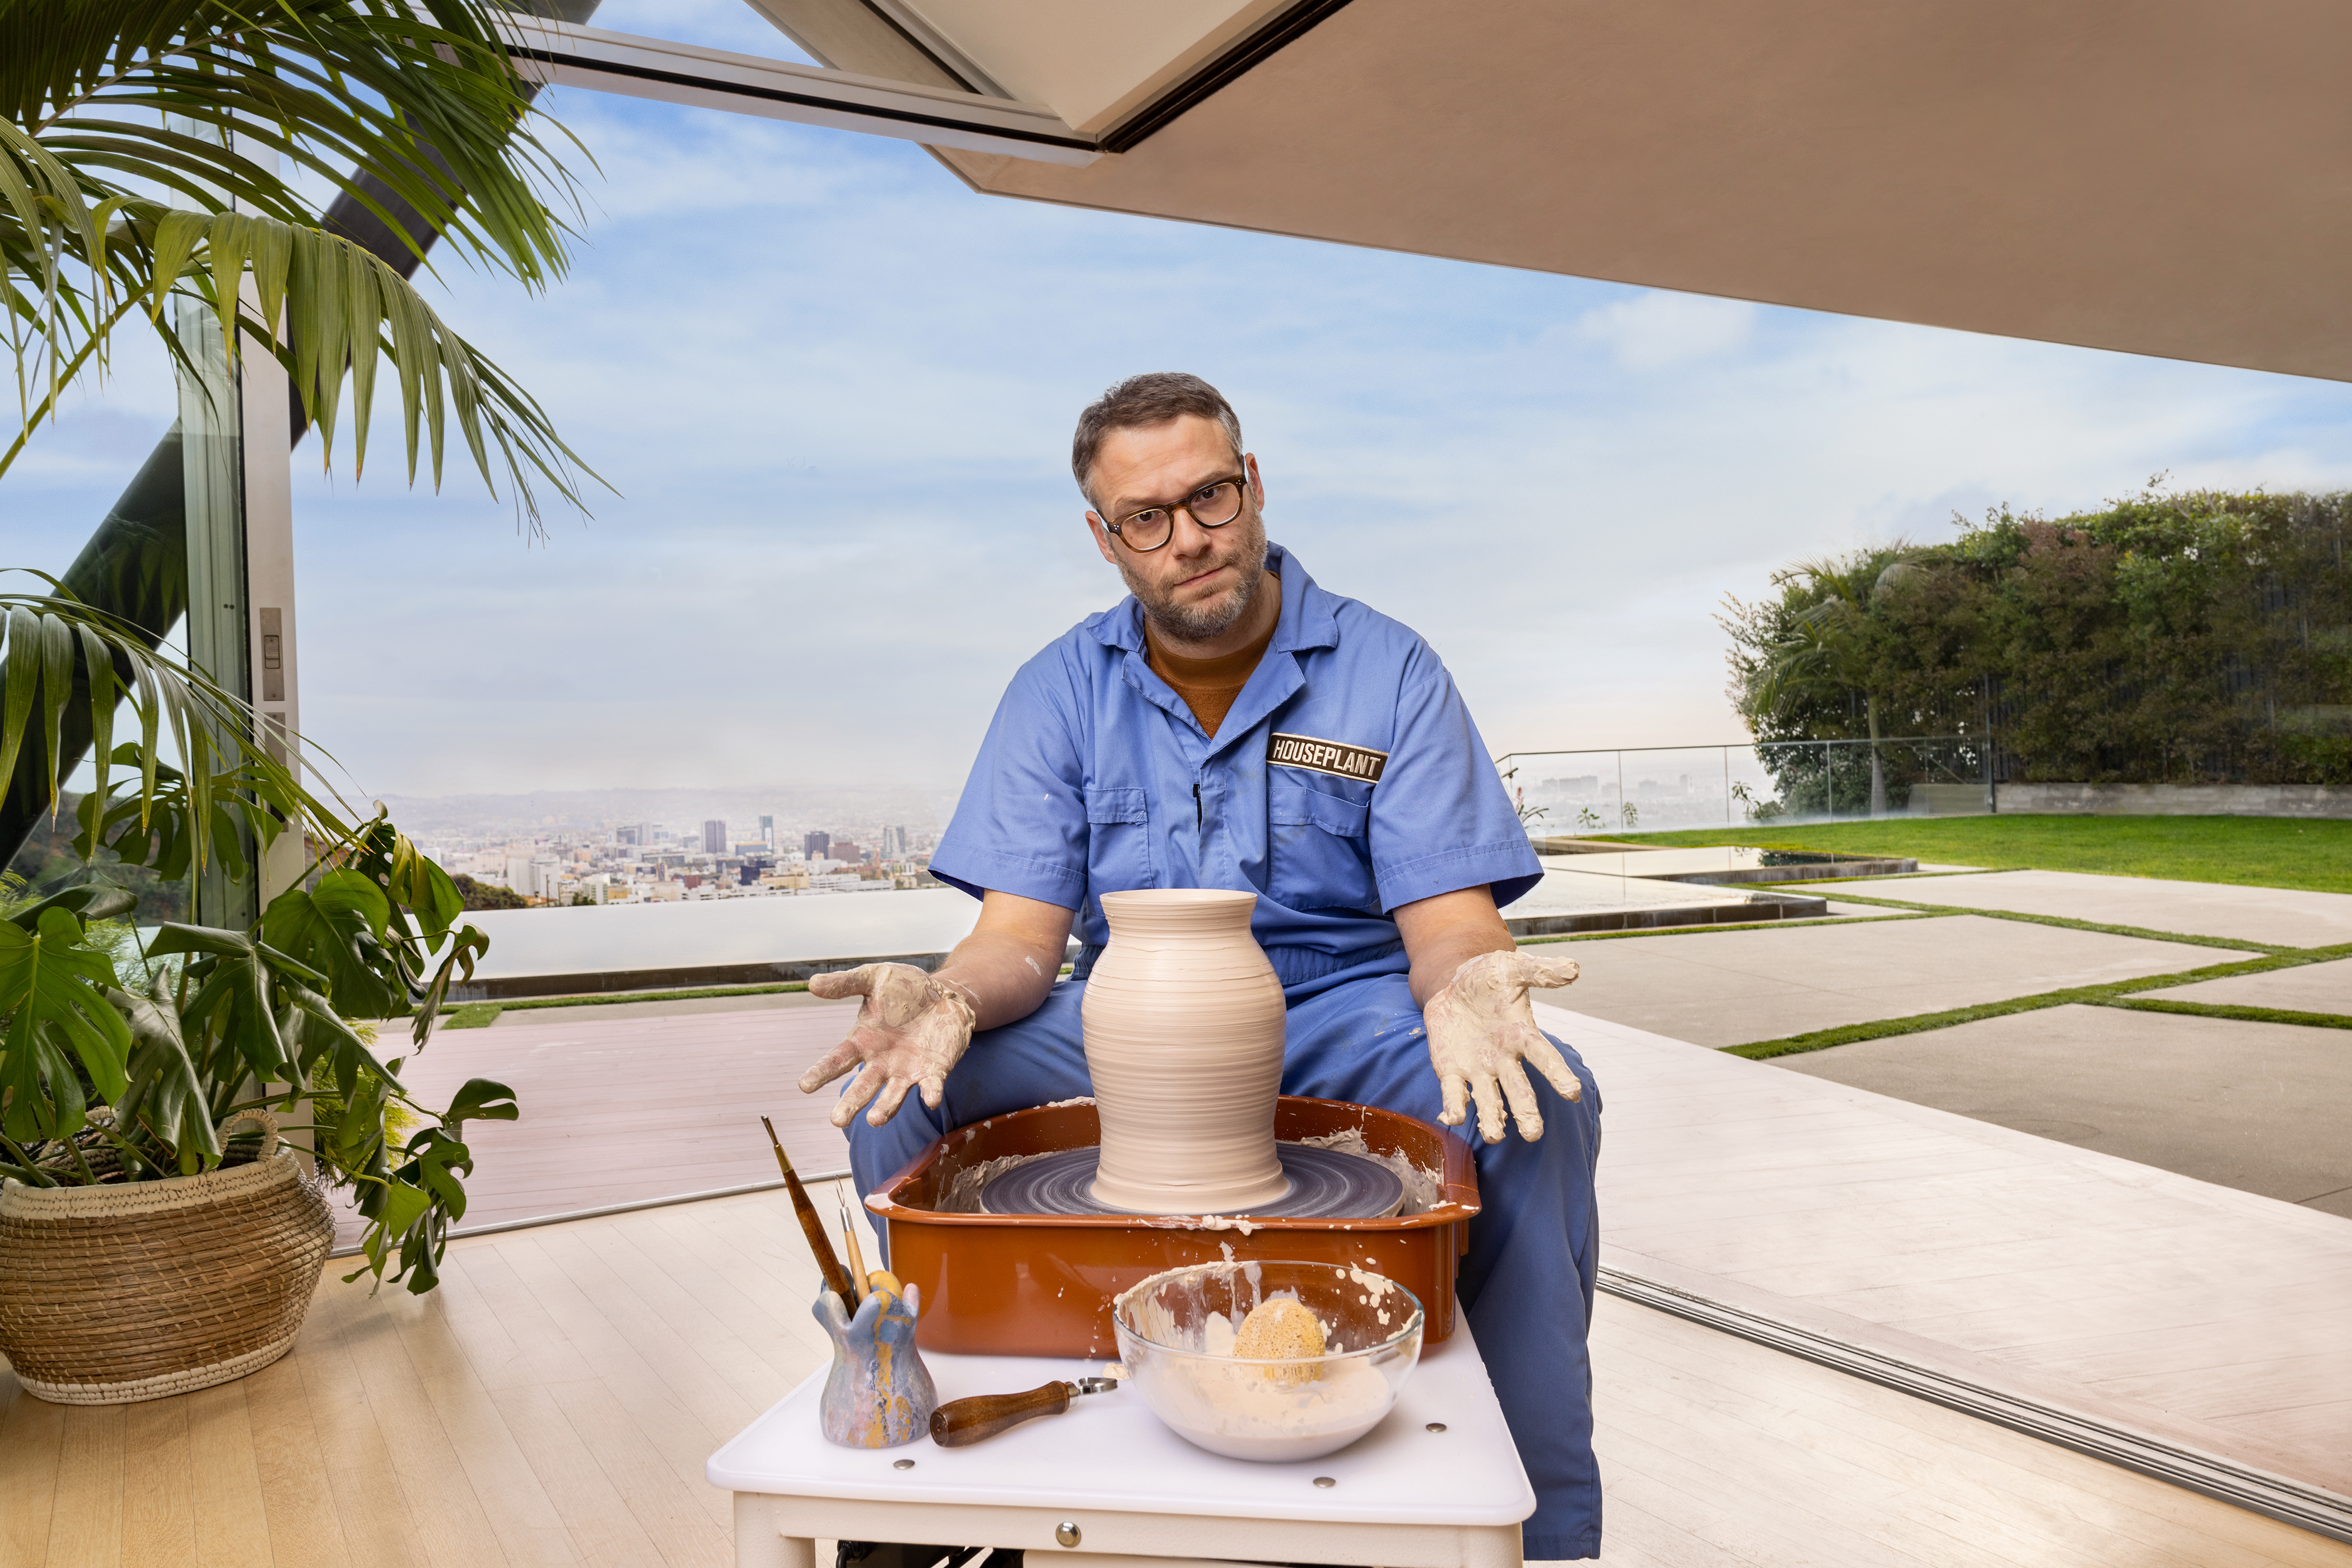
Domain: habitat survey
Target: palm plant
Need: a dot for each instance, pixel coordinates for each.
(150, 148)
(1829, 644)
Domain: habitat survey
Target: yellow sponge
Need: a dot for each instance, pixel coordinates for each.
(1280, 1329)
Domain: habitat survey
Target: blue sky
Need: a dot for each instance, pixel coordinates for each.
(834, 389)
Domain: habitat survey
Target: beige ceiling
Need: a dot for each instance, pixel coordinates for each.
(2167, 177)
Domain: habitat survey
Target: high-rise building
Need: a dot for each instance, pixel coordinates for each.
(816, 846)
(894, 843)
(768, 831)
(714, 837)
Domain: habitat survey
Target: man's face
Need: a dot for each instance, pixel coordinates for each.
(1202, 580)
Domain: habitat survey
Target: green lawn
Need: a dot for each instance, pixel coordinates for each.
(2259, 851)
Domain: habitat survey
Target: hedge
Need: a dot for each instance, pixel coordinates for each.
(2195, 637)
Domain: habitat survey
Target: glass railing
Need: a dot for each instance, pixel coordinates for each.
(1635, 789)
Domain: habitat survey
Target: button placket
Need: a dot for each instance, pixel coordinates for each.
(1204, 795)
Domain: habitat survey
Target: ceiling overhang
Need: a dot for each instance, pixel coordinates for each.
(2168, 180)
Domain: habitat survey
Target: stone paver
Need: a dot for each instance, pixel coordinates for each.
(2258, 1107)
(1728, 988)
(2308, 988)
(2287, 918)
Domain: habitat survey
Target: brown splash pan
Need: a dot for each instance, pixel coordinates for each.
(1043, 1284)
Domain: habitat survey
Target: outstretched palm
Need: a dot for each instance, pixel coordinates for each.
(1483, 1038)
(911, 1032)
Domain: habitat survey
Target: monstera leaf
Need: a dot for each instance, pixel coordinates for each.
(166, 1091)
(53, 989)
(235, 1002)
(321, 1036)
(482, 1099)
(421, 952)
(425, 889)
(414, 1206)
(89, 901)
(338, 929)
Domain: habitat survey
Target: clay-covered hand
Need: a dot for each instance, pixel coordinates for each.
(1482, 1028)
(910, 1030)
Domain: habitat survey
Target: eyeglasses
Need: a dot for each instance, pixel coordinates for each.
(1211, 506)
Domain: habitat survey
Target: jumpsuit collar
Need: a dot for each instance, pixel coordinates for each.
(1307, 619)
(1307, 622)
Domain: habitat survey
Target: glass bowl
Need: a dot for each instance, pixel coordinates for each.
(1176, 1333)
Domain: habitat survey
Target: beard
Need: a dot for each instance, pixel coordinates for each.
(1200, 622)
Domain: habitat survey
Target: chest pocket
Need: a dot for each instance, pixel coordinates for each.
(1318, 849)
(1118, 841)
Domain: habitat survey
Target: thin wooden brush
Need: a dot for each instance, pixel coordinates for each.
(836, 1278)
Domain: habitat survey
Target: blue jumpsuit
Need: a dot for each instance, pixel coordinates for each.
(1347, 779)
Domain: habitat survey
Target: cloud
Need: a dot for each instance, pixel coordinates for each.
(1655, 330)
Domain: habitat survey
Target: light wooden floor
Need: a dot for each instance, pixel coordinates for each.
(2210, 1317)
(553, 1402)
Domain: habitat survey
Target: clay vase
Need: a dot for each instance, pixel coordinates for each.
(1183, 1031)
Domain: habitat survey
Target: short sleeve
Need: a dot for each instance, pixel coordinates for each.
(1441, 820)
(1020, 825)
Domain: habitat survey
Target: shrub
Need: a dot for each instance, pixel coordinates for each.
(2193, 638)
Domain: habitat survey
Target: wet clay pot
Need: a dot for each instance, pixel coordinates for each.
(1184, 1032)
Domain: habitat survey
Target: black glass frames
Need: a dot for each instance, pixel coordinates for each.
(1211, 506)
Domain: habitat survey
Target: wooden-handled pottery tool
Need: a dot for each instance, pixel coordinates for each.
(858, 1271)
(836, 1277)
(963, 1422)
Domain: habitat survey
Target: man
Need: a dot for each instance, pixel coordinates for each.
(1232, 725)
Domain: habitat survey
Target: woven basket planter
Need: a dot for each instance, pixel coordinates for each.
(110, 1295)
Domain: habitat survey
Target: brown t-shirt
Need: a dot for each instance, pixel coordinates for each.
(1208, 686)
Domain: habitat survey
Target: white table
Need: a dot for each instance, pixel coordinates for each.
(1105, 1484)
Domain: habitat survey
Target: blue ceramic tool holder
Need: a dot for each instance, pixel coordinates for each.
(878, 1393)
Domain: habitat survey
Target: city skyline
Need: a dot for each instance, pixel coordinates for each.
(638, 862)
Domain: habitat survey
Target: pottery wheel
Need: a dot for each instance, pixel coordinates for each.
(1325, 1183)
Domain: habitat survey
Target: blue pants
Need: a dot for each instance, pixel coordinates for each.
(1527, 1282)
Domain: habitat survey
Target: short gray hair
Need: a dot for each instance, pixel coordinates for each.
(1140, 402)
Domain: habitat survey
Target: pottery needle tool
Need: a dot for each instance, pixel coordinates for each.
(963, 1422)
(836, 1277)
(856, 1253)
(870, 1279)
